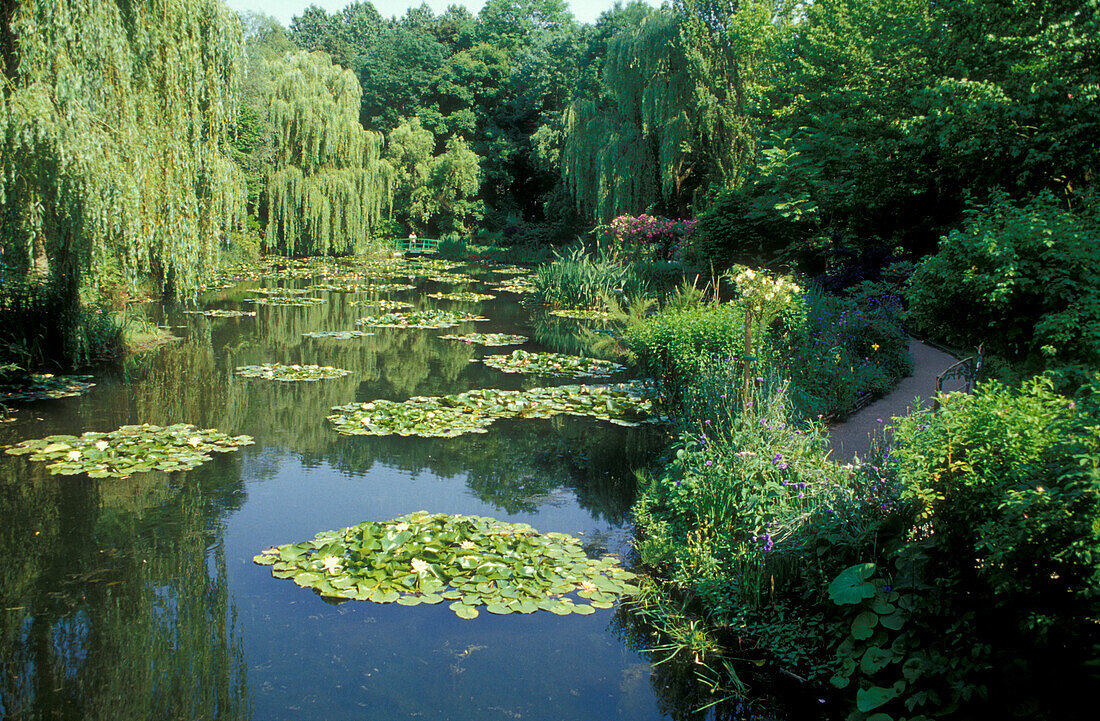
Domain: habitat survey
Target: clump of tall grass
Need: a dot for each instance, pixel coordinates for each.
(579, 279)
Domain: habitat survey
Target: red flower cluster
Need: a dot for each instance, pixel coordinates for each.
(652, 236)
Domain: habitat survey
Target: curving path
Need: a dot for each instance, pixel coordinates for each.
(853, 436)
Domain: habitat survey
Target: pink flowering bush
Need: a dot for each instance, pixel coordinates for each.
(648, 237)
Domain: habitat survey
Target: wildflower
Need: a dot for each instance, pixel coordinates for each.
(331, 564)
(777, 458)
(709, 463)
(874, 346)
(801, 494)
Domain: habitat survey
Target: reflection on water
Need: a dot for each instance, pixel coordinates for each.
(136, 598)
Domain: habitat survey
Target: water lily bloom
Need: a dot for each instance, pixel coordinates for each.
(586, 586)
(101, 445)
(467, 545)
(419, 565)
(331, 564)
(194, 441)
(73, 456)
(401, 527)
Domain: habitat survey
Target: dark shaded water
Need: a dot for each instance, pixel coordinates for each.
(137, 598)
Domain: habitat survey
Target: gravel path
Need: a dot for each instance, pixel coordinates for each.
(853, 436)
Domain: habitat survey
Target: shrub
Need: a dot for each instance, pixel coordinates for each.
(647, 237)
(997, 575)
(1021, 278)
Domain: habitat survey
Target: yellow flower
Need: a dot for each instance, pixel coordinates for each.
(331, 563)
(874, 346)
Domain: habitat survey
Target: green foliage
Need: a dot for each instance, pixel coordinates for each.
(429, 318)
(325, 185)
(1027, 277)
(670, 345)
(40, 326)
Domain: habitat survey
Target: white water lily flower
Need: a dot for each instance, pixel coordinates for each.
(419, 565)
(73, 455)
(586, 586)
(401, 527)
(467, 545)
(331, 563)
(194, 441)
(101, 445)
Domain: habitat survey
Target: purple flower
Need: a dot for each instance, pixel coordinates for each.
(710, 463)
(801, 494)
(706, 422)
(783, 465)
(777, 458)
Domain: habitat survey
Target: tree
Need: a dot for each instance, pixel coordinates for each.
(432, 193)
(345, 35)
(326, 188)
(115, 120)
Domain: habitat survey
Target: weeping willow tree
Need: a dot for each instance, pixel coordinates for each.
(673, 119)
(326, 188)
(114, 124)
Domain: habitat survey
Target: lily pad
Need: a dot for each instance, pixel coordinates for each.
(337, 334)
(464, 296)
(383, 303)
(551, 364)
(515, 285)
(581, 314)
(222, 313)
(291, 373)
(487, 339)
(474, 411)
(418, 319)
(43, 386)
(287, 300)
(473, 561)
(130, 449)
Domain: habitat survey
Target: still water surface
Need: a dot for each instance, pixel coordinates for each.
(137, 598)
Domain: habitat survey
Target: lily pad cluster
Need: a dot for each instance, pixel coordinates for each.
(291, 373)
(474, 411)
(389, 287)
(43, 386)
(418, 319)
(551, 364)
(222, 313)
(383, 303)
(487, 339)
(472, 561)
(350, 287)
(130, 449)
(449, 278)
(464, 296)
(287, 300)
(515, 285)
(581, 314)
(337, 334)
(279, 292)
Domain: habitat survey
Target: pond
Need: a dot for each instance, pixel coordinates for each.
(137, 598)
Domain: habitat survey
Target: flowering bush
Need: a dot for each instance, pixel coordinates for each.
(648, 237)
